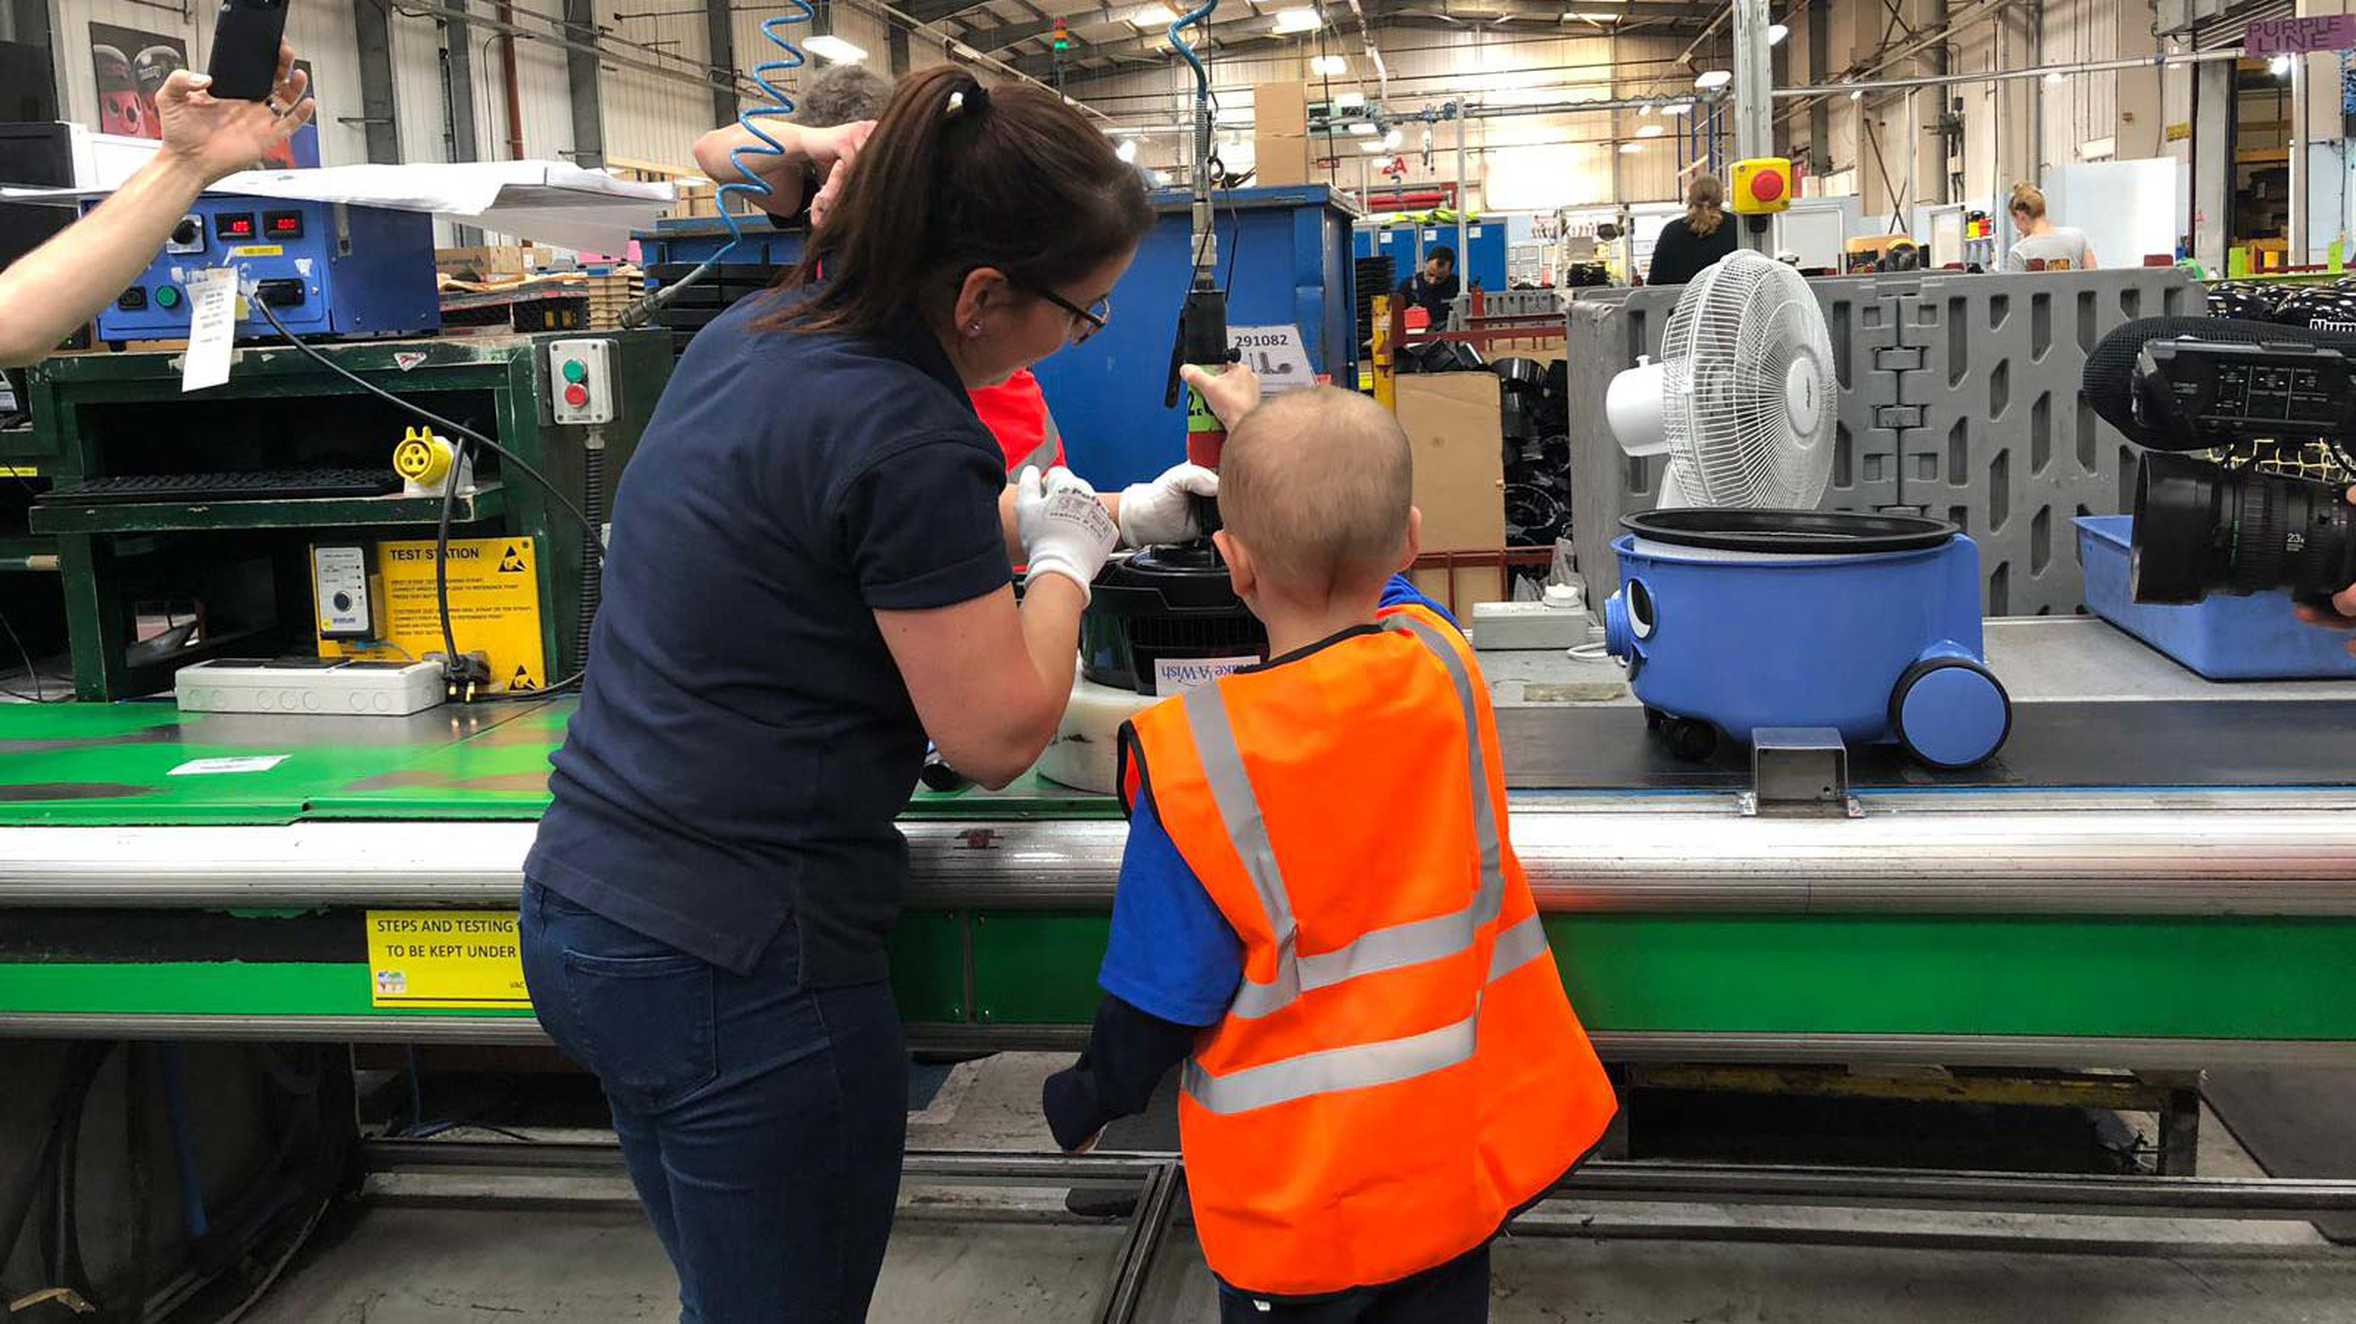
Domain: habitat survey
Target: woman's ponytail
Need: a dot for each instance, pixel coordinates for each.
(956, 176)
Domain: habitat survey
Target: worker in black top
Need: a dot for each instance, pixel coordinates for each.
(1434, 287)
(810, 574)
(1693, 241)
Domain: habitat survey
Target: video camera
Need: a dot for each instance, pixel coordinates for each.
(2205, 527)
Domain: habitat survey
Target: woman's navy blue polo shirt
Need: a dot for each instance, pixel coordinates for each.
(744, 740)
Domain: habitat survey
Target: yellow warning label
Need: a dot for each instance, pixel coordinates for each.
(494, 606)
(445, 959)
(259, 250)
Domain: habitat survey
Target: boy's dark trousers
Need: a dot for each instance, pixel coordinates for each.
(1455, 1293)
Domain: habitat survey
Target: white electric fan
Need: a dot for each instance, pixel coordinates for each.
(1741, 400)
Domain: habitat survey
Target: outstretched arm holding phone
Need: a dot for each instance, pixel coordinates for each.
(65, 282)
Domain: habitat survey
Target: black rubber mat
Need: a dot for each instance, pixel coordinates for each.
(2122, 744)
(2295, 1123)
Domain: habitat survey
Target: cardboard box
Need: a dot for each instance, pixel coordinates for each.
(487, 262)
(1280, 134)
(1455, 426)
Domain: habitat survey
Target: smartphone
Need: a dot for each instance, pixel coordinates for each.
(245, 49)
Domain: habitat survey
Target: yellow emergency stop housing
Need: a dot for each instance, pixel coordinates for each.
(1762, 185)
(423, 460)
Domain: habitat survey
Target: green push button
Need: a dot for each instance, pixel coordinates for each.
(167, 296)
(575, 370)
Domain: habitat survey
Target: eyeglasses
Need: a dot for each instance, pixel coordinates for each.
(1086, 321)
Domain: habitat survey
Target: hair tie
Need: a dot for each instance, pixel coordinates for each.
(975, 99)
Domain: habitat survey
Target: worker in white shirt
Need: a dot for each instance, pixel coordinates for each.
(64, 283)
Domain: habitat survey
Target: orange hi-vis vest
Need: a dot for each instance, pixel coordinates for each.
(1400, 1071)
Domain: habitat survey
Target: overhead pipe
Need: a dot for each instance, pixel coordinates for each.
(2005, 75)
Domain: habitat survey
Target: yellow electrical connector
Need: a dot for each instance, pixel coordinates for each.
(423, 459)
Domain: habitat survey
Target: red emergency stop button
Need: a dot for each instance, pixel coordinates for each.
(1767, 185)
(576, 395)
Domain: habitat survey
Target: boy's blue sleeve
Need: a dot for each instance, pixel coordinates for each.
(1402, 591)
(1172, 954)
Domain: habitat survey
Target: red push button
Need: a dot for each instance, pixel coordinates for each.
(576, 395)
(1767, 185)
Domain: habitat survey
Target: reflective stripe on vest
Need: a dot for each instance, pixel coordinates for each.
(1363, 1065)
(1392, 948)
(1042, 456)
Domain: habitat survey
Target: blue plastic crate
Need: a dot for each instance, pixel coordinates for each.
(2222, 638)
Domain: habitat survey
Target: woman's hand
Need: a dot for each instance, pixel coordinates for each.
(832, 151)
(823, 152)
(2342, 615)
(1162, 511)
(1232, 392)
(219, 137)
(1065, 529)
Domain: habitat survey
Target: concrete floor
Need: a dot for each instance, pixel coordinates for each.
(967, 1256)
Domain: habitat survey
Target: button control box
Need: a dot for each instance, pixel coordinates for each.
(581, 386)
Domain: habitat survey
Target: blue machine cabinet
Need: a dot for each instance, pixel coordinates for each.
(1288, 250)
(696, 238)
(1483, 260)
(1291, 264)
(326, 269)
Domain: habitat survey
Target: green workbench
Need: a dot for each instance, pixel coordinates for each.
(145, 897)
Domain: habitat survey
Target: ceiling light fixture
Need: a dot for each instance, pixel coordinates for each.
(1329, 66)
(1776, 32)
(1304, 19)
(829, 47)
(1709, 80)
(1362, 129)
(1153, 16)
(1127, 151)
(1631, 149)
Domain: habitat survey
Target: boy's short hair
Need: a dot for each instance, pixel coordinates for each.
(1317, 484)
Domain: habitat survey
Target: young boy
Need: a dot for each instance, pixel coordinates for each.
(1320, 914)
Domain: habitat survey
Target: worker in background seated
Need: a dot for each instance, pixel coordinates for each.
(53, 290)
(1015, 410)
(1434, 286)
(1319, 912)
(2044, 246)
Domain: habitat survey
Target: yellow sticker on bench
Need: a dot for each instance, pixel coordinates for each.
(443, 960)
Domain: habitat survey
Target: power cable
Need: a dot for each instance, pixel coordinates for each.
(596, 537)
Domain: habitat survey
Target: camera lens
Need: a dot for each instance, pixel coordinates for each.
(2202, 529)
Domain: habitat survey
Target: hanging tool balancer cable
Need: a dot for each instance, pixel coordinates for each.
(779, 106)
(1202, 319)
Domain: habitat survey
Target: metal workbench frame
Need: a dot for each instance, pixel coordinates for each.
(2277, 853)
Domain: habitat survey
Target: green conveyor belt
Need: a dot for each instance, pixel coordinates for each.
(113, 765)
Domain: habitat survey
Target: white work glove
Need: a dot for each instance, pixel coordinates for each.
(1065, 529)
(1163, 510)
